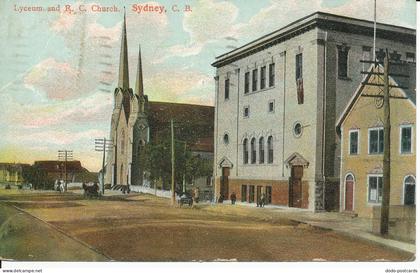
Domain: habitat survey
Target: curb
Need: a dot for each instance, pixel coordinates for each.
(365, 236)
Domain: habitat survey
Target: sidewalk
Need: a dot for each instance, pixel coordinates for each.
(345, 224)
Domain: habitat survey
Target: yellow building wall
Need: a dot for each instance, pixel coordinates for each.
(363, 116)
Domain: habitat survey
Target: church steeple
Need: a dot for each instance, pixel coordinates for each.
(139, 82)
(123, 80)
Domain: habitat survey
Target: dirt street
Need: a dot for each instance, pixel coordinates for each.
(141, 227)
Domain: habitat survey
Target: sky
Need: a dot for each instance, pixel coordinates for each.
(58, 69)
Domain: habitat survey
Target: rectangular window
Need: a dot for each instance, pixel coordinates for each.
(376, 141)
(405, 145)
(262, 77)
(243, 193)
(375, 189)
(246, 111)
(254, 79)
(271, 106)
(208, 181)
(251, 194)
(343, 53)
(227, 84)
(410, 57)
(367, 56)
(299, 72)
(354, 142)
(271, 75)
(246, 82)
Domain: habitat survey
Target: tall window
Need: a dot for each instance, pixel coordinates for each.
(261, 149)
(271, 75)
(122, 142)
(262, 77)
(409, 190)
(254, 79)
(354, 142)
(270, 149)
(246, 82)
(245, 149)
(251, 196)
(375, 189)
(253, 151)
(343, 53)
(406, 136)
(227, 84)
(243, 193)
(299, 78)
(299, 71)
(376, 141)
(367, 56)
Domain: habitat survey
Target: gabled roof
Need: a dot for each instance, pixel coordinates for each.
(405, 85)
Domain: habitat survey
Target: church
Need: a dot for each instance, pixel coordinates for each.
(136, 121)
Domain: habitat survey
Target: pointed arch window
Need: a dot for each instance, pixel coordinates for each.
(122, 142)
(261, 150)
(270, 149)
(253, 151)
(409, 190)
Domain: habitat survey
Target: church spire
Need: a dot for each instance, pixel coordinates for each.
(139, 83)
(123, 81)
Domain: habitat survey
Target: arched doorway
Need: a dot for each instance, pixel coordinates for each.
(349, 190)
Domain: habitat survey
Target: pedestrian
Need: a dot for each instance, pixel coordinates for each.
(233, 198)
(220, 200)
(262, 203)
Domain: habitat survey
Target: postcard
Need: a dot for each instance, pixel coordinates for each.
(226, 135)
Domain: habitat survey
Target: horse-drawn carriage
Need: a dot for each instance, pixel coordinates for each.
(90, 190)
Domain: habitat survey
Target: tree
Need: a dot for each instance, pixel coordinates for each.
(37, 177)
(187, 164)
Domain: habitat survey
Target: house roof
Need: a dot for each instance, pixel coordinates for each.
(12, 166)
(163, 112)
(197, 120)
(322, 20)
(54, 165)
(405, 84)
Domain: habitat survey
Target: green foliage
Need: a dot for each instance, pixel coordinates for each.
(187, 165)
(37, 177)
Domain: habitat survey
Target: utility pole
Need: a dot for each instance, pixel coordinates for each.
(65, 155)
(173, 162)
(386, 177)
(103, 145)
(387, 150)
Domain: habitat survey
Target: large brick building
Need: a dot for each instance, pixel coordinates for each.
(277, 102)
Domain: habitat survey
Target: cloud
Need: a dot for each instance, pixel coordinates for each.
(176, 85)
(59, 137)
(95, 108)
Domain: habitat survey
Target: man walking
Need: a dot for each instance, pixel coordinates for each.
(233, 198)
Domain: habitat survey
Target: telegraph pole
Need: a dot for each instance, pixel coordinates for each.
(65, 155)
(173, 162)
(386, 97)
(387, 150)
(103, 145)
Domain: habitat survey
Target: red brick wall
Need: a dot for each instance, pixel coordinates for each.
(279, 194)
(279, 188)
